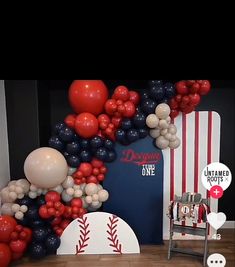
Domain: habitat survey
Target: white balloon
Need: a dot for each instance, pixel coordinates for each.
(12, 188)
(76, 187)
(32, 194)
(39, 191)
(162, 111)
(65, 197)
(19, 215)
(164, 132)
(24, 184)
(5, 198)
(95, 204)
(173, 138)
(88, 199)
(163, 124)
(82, 186)
(15, 207)
(68, 182)
(78, 193)
(99, 186)
(95, 197)
(154, 133)
(45, 167)
(70, 191)
(168, 119)
(168, 136)
(13, 196)
(71, 170)
(84, 203)
(91, 189)
(175, 143)
(23, 208)
(58, 189)
(6, 209)
(152, 121)
(162, 142)
(172, 129)
(18, 190)
(103, 195)
(33, 188)
(20, 196)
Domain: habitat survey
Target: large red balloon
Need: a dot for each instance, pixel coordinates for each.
(88, 96)
(86, 125)
(7, 226)
(5, 255)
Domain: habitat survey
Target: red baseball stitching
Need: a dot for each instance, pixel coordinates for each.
(113, 236)
(83, 234)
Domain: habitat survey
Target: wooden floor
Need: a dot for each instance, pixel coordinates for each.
(149, 256)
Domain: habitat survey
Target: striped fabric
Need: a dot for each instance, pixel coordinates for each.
(200, 145)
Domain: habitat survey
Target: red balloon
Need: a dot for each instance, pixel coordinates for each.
(188, 109)
(70, 120)
(185, 99)
(52, 196)
(76, 202)
(174, 113)
(121, 93)
(110, 106)
(96, 163)
(85, 168)
(28, 231)
(43, 212)
(92, 179)
(194, 99)
(134, 97)
(5, 255)
(130, 109)
(100, 177)
(86, 125)
(16, 255)
(173, 103)
(194, 88)
(18, 246)
(103, 118)
(7, 226)
(116, 121)
(205, 87)
(178, 98)
(88, 96)
(181, 88)
(64, 223)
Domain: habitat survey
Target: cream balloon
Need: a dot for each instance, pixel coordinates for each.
(164, 132)
(84, 203)
(33, 188)
(19, 215)
(168, 136)
(15, 207)
(45, 167)
(71, 170)
(23, 208)
(24, 184)
(95, 197)
(78, 193)
(91, 189)
(20, 196)
(103, 195)
(32, 194)
(154, 133)
(95, 204)
(172, 138)
(175, 143)
(168, 119)
(163, 124)
(66, 197)
(88, 199)
(152, 121)
(70, 191)
(172, 129)
(6, 209)
(162, 111)
(59, 189)
(5, 198)
(162, 142)
(13, 196)
(68, 182)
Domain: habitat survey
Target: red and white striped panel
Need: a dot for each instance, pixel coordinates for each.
(200, 145)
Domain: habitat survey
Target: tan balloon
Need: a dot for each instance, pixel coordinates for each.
(163, 124)
(173, 138)
(68, 182)
(91, 189)
(45, 167)
(103, 195)
(152, 121)
(168, 119)
(24, 184)
(164, 132)
(6, 209)
(172, 129)
(162, 111)
(175, 143)
(154, 133)
(161, 142)
(168, 136)
(88, 199)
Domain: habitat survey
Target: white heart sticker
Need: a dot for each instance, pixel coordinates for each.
(216, 220)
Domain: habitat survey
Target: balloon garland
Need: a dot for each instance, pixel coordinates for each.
(64, 180)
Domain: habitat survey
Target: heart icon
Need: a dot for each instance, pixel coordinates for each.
(216, 220)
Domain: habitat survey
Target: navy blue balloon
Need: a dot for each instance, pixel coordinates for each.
(164, 100)
(144, 95)
(101, 153)
(37, 223)
(85, 156)
(120, 135)
(56, 143)
(139, 120)
(66, 155)
(143, 132)
(96, 142)
(148, 106)
(169, 90)
(132, 135)
(58, 127)
(73, 161)
(25, 201)
(39, 234)
(40, 200)
(76, 138)
(49, 230)
(25, 221)
(37, 250)
(32, 213)
(109, 144)
(156, 93)
(112, 155)
(84, 143)
(126, 124)
(52, 243)
(66, 134)
(73, 148)
(125, 142)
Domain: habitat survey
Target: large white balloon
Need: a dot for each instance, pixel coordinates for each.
(162, 142)
(152, 121)
(45, 167)
(162, 111)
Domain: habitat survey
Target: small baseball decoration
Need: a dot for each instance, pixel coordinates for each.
(98, 233)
